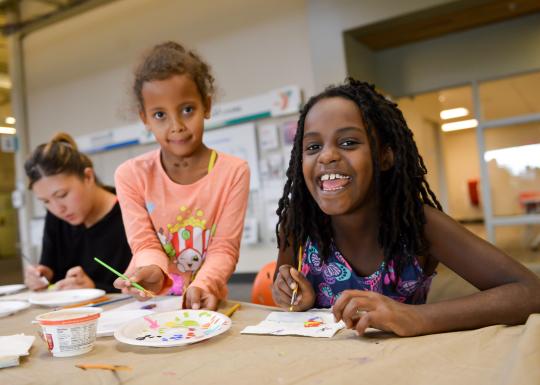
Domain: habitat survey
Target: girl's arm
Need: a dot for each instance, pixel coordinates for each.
(222, 254)
(140, 232)
(509, 292)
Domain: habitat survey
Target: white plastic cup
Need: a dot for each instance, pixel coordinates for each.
(69, 332)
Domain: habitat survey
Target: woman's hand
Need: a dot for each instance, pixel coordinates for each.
(76, 278)
(37, 277)
(150, 277)
(196, 298)
(287, 280)
(362, 309)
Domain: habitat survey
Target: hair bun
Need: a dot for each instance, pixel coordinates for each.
(64, 138)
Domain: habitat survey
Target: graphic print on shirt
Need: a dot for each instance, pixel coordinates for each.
(186, 243)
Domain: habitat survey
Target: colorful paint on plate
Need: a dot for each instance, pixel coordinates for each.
(173, 328)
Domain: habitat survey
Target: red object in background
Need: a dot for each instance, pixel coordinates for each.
(262, 285)
(530, 201)
(474, 197)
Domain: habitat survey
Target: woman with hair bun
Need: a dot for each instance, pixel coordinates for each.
(83, 220)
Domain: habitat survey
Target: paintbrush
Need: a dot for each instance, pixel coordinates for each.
(134, 284)
(41, 277)
(295, 291)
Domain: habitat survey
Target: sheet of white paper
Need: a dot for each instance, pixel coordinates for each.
(308, 324)
(15, 345)
(156, 304)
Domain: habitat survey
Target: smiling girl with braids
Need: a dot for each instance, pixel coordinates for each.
(372, 231)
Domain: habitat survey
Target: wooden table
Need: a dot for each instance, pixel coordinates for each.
(492, 355)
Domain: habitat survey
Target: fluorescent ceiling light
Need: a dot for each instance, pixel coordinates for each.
(459, 125)
(454, 113)
(8, 130)
(10, 120)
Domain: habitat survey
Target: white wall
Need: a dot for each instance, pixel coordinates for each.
(328, 20)
(491, 51)
(78, 71)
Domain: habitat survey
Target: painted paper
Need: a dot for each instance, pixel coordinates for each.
(308, 324)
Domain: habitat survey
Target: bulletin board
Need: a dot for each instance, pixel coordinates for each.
(239, 141)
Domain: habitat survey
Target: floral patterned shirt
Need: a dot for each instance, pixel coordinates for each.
(331, 277)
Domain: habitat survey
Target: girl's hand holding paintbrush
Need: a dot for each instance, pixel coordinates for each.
(150, 277)
(37, 277)
(287, 281)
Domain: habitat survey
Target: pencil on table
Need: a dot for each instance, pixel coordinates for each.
(230, 311)
(89, 302)
(103, 366)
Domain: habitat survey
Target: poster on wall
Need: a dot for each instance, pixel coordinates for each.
(239, 141)
(288, 130)
(8, 143)
(268, 138)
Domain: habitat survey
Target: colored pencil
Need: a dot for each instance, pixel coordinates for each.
(88, 303)
(103, 366)
(134, 284)
(295, 291)
(109, 302)
(230, 311)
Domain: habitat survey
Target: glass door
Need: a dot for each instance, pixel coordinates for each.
(508, 136)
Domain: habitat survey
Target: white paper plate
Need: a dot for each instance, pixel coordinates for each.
(10, 307)
(112, 320)
(174, 328)
(65, 297)
(11, 289)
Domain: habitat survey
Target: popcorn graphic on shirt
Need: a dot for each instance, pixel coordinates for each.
(187, 241)
(191, 244)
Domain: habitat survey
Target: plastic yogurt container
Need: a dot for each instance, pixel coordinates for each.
(69, 332)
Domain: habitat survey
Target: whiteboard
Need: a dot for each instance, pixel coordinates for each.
(239, 141)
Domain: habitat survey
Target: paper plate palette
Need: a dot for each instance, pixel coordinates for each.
(174, 328)
(11, 289)
(10, 307)
(109, 321)
(65, 297)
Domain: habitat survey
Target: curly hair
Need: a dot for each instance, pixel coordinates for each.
(167, 59)
(400, 191)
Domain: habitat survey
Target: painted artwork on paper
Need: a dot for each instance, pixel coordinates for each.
(308, 324)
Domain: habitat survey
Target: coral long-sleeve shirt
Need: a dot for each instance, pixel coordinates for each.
(192, 232)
